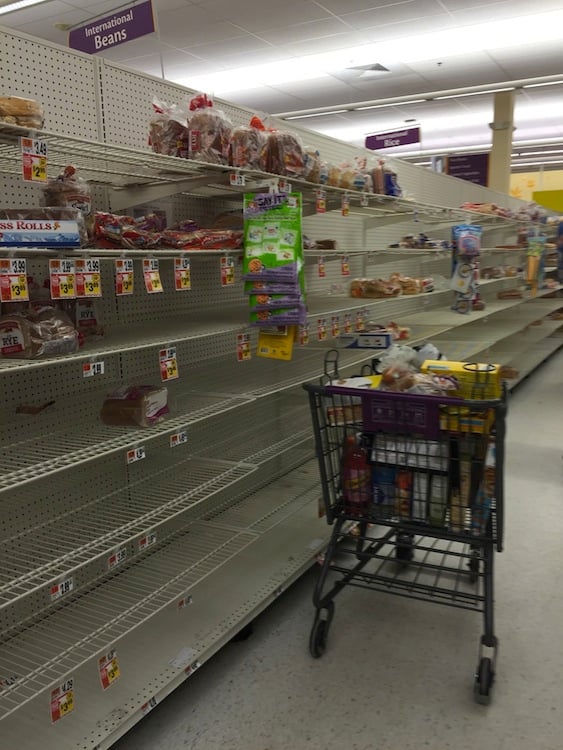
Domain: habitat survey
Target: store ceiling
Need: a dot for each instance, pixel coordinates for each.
(201, 42)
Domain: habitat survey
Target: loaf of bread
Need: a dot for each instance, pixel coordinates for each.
(248, 148)
(36, 333)
(210, 136)
(136, 405)
(16, 110)
(284, 155)
(312, 166)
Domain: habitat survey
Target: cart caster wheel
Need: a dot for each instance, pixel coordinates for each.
(474, 566)
(484, 681)
(319, 631)
(404, 551)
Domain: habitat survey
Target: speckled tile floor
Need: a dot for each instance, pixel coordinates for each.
(397, 674)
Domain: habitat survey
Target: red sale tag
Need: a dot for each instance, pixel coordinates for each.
(109, 669)
(321, 202)
(360, 324)
(227, 270)
(168, 364)
(62, 700)
(321, 267)
(147, 541)
(151, 274)
(88, 278)
(345, 265)
(345, 205)
(34, 160)
(117, 558)
(335, 327)
(347, 323)
(321, 329)
(62, 279)
(304, 334)
(182, 274)
(243, 347)
(13, 280)
(124, 278)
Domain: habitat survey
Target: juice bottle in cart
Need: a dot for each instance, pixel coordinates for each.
(356, 478)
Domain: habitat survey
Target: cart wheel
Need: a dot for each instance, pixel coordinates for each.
(484, 681)
(319, 631)
(474, 566)
(404, 551)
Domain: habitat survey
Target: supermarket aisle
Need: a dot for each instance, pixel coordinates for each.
(397, 674)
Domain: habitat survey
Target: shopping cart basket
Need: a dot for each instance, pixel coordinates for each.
(432, 518)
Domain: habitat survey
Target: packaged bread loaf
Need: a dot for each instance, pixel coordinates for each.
(15, 110)
(285, 154)
(37, 332)
(168, 130)
(249, 145)
(70, 190)
(135, 405)
(312, 166)
(210, 132)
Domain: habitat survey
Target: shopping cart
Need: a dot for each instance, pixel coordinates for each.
(432, 519)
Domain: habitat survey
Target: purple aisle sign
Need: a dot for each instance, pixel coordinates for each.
(470, 167)
(393, 138)
(121, 26)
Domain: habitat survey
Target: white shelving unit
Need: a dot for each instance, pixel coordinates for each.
(166, 559)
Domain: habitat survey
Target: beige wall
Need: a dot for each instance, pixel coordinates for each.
(522, 185)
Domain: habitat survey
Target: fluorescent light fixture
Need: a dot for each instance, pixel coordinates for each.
(18, 5)
(539, 153)
(472, 93)
(535, 163)
(391, 104)
(516, 33)
(317, 114)
(537, 85)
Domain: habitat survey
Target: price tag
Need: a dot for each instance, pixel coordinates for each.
(117, 558)
(191, 668)
(227, 270)
(321, 202)
(345, 205)
(62, 700)
(147, 541)
(345, 265)
(61, 589)
(304, 334)
(136, 454)
(178, 438)
(335, 327)
(13, 280)
(62, 278)
(364, 200)
(34, 160)
(182, 274)
(237, 179)
(151, 274)
(90, 369)
(185, 601)
(321, 267)
(168, 364)
(284, 186)
(124, 277)
(347, 323)
(88, 278)
(321, 329)
(360, 323)
(148, 706)
(243, 347)
(109, 669)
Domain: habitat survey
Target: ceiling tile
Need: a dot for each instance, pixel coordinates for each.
(147, 45)
(344, 40)
(324, 90)
(266, 14)
(159, 6)
(501, 10)
(268, 100)
(304, 31)
(37, 13)
(237, 45)
(340, 7)
(180, 28)
(393, 14)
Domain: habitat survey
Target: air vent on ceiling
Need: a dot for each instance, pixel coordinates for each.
(372, 69)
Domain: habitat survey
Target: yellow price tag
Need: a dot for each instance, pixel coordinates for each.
(113, 671)
(39, 169)
(92, 285)
(67, 702)
(172, 369)
(186, 281)
(66, 286)
(127, 283)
